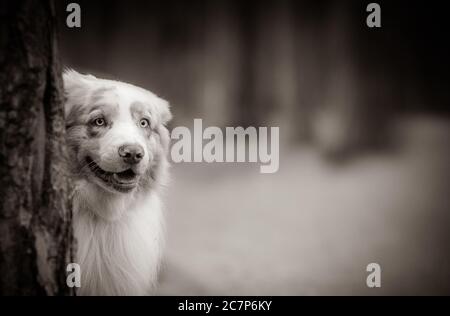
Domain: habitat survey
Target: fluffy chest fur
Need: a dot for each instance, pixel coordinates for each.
(120, 254)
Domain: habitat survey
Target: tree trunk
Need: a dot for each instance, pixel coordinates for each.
(35, 212)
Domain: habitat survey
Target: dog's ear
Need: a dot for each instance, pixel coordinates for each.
(77, 88)
(73, 80)
(163, 109)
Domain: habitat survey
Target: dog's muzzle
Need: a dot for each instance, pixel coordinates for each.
(124, 181)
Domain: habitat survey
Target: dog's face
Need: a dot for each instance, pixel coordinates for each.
(116, 132)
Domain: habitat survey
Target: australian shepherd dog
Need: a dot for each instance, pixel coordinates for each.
(118, 146)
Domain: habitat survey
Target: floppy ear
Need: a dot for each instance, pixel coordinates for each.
(163, 109)
(77, 88)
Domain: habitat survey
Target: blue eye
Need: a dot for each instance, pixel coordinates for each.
(144, 123)
(99, 122)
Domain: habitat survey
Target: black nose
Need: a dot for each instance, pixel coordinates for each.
(131, 153)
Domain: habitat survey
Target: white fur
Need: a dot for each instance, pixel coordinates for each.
(119, 254)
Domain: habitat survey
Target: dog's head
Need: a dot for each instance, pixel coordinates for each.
(115, 131)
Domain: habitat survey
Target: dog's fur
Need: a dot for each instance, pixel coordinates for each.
(117, 221)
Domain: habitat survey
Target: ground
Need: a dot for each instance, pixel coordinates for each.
(313, 227)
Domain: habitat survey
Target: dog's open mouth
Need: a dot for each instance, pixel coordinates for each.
(123, 181)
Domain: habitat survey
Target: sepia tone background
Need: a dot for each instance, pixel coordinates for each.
(364, 130)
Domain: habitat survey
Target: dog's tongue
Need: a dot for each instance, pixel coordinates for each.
(125, 176)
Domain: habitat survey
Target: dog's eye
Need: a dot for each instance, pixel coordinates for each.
(99, 122)
(144, 123)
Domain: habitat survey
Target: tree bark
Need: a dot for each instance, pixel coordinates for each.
(35, 210)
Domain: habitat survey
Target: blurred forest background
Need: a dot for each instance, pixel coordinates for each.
(339, 91)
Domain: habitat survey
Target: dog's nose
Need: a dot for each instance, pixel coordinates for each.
(131, 153)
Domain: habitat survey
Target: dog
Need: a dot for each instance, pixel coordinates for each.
(118, 145)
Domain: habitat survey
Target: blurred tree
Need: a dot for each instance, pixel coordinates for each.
(35, 216)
